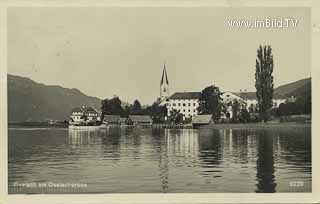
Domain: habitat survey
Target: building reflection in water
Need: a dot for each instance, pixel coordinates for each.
(176, 148)
(211, 149)
(79, 137)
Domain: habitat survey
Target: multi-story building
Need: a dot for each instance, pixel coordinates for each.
(183, 102)
(83, 116)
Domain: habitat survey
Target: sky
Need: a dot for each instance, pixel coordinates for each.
(121, 50)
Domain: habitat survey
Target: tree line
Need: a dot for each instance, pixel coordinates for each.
(114, 106)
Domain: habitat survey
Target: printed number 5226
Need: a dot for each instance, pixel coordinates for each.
(296, 183)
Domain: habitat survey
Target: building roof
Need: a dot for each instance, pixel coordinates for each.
(201, 119)
(185, 95)
(252, 95)
(77, 109)
(111, 118)
(246, 95)
(90, 109)
(84, 110)
(140, 118)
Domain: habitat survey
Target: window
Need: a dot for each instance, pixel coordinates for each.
(189, 104)
(178, 104)
(173, 104)
(194, 104)
(184, 104)
(189, 110)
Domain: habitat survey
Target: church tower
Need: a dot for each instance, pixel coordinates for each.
(164, 84)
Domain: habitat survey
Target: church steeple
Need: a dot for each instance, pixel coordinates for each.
(164, 84)
(164, 77)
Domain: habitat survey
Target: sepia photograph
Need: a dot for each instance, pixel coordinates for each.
(159, 100)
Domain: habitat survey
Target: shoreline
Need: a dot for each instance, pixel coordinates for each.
(258, 126)
(214, 126)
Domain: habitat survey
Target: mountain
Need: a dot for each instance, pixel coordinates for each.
(31, 101)
(297, 88)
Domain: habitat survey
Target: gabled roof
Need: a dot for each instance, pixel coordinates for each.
(84, 110)
(112, 118)
(140, 118)
(90, 109)
(252, 95)
(185, 95)
(201, 119)
(246, 95)
(77, 109)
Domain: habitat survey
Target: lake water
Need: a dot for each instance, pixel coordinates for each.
(126, 160)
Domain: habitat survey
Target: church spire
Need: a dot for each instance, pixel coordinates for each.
(164, 84)
(164, 77)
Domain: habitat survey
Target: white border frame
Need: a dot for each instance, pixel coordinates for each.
(168, 197)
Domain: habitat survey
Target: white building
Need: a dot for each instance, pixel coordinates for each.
(250, 98)
(77, 116)
(183, 102)
(83, 115)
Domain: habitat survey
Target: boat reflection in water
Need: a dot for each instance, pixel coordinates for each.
(129, 160)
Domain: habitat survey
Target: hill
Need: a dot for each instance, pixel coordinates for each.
(297, 88)
(32, 101)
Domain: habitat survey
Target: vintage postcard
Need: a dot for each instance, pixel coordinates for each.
(154, 101)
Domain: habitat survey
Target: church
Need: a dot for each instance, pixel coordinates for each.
(183, 102)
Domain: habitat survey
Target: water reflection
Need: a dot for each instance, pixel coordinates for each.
(156, 160)
(265, 164)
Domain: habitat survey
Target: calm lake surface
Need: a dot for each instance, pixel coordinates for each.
(126, 160)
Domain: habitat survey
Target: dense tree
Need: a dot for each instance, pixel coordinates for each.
(264, 80)
(304, 103)
(111, 107)
(136, 108)
(157, 112)
(252, 108)
(235, 110)
(126, 111)
(176, 117)
(244, 116)
(210, 102)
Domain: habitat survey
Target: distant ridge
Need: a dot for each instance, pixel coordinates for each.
(297, 88)
(32, 101)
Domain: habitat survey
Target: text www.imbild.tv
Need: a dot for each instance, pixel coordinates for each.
(263, 23)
